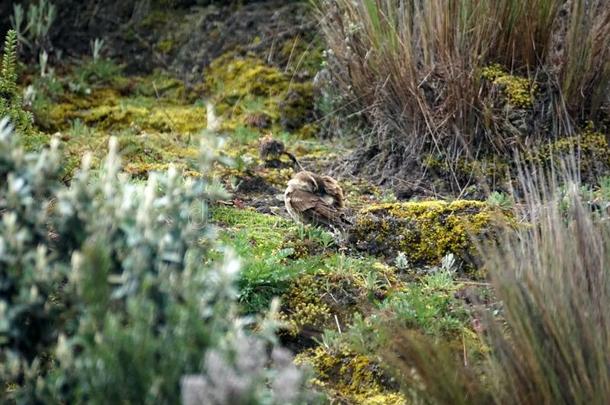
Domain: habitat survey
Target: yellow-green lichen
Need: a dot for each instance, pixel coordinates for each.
(349, 377)
(520, 91)
(423, 231)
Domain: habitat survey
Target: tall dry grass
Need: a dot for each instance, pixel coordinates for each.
(552, 277)
(414, 67)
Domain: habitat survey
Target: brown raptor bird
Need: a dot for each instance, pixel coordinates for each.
(317, 200)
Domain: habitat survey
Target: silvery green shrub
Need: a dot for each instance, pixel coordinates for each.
(112, 291)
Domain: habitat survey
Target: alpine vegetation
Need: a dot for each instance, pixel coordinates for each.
(112, 290)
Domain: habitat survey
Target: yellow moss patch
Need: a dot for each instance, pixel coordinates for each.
(347, 376)
(303, 304)
(423, 231)
(520, 91)
(591, 147)
(244, 85)
(238, 77)
(166, 118)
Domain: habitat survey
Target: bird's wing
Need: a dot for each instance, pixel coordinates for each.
(333, 189)
(314, 209)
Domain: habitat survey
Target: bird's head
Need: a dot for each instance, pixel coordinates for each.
(270, 148)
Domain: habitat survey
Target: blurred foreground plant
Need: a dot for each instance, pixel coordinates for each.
(108, 289)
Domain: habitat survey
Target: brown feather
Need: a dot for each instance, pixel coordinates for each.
(311, 198)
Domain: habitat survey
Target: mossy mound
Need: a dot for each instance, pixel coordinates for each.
(424, 231)
(246, 90)
(348, 377)
(332, 295)
(164, 118)
(235, 79)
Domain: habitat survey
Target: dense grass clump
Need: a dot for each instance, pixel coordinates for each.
(458, 78)
(550, 343)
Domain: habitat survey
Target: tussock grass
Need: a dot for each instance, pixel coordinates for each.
(414, 68)
(552, 345)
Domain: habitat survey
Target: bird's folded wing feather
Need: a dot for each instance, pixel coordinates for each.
(314, 208)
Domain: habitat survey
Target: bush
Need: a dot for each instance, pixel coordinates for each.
(460, 77)
(109, 290)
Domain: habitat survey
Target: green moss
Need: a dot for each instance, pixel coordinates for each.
(340, 287)
(161, 86)
(303, 305)
(349, 377)
(520, 91)
(423, 231)
(301, 56)
(268, 271)
(483, 167)
(165, 46)
(155, 19)
(234, 78)
(166, 118)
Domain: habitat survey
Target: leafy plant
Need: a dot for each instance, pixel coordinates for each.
(10, 94)
(500, 200)
(35, 33)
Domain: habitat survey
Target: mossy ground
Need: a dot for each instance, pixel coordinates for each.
(335, 299)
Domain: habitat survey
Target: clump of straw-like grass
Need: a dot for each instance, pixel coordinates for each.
(414, 69)
(552, 278)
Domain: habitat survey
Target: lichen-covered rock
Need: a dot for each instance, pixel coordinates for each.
(424, 231)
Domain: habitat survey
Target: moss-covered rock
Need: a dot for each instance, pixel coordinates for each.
(424, 231)
(348, 377)
(330, 296)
